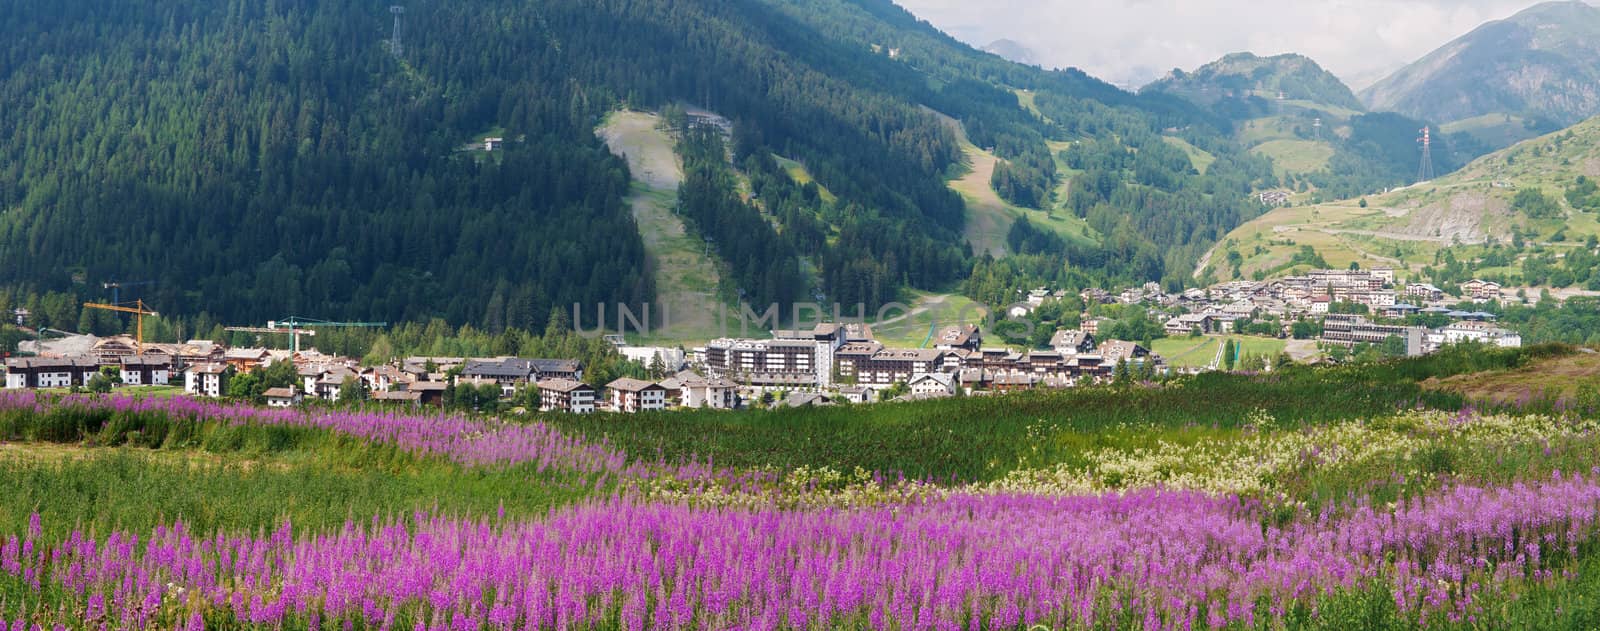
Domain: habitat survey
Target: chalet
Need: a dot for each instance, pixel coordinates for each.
(976, 378)
(383, 378)
(858, 394)
(283, 397)
(508, 372)
(493, 144)
(1043, 362)
(246, 359)
(933, 384)
(1096, 296)
(1068, 342)
(1190, 323)
(690, 390)
(1481, 290)
(566, 395)
(1116, 351)
(207, 380)
(428, 392)
(544, 369)
(633, 395)
(146, 370)
(330, 381)
(1007, 382)
(805, 400)
(42, 372)
(1424, 292)
(1092, 325)
(959, 337)
(110, 351)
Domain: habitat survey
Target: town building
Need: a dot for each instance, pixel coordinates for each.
(631, 396)
(283, 397)
(1479, 332)
(566, 395)
(43, 372)
(206, 380)
(1481, 290)
(933, 384)
(690, 390)
(1350, 330)
(146, 370)
(1069, 342)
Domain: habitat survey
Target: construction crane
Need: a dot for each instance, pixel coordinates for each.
(138, 310)
(116, 288)
(262, 329)
(296, 326)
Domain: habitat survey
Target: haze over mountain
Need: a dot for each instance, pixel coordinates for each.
(1134, 43)
(1541, 63)
(1013, 50)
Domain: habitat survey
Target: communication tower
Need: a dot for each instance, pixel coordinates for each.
(1426, 172)
(394, 42)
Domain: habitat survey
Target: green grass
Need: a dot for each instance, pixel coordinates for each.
(137, 489)
(941, 310)
(802, 176)
(1187, 352)
(1200, 158)
(1296, 157)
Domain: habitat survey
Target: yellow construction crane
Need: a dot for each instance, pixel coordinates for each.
(138, 310)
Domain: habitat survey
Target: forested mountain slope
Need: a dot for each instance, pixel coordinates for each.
(257, 159)
(1318, 135)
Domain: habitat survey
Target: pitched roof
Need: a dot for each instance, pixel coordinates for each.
(628, 384)
(279, 393)
(563, 385)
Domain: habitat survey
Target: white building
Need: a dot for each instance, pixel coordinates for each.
(935, 384)
(205, 380)
(1480, 332)
(632, 396)
(282, 397)
(566, 395)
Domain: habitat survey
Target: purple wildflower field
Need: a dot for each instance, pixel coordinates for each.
(1147, 558)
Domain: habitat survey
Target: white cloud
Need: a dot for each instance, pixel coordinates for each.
(1133, 41)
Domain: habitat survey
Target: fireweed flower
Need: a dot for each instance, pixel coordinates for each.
(1173, 559)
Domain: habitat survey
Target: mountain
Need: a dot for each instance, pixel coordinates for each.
(1252, 81)
(1541, 64)
(1316, 132)
(1527, 214)
(257, 160)
(1013, 50)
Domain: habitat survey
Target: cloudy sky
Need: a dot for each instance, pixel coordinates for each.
(1130, 42)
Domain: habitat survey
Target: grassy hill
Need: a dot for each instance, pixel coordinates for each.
(1320, 138)
(1475, 216)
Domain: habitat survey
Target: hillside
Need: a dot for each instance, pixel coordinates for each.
(260, 160)
(1319, 137)
(1542, 64)
(1521, 215)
